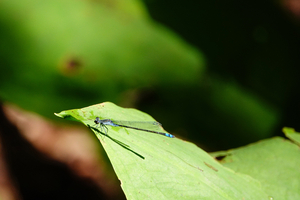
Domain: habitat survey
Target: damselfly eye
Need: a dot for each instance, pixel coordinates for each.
(97, 120)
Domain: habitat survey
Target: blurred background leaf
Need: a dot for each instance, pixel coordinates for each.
(62, 54)
(58, 55)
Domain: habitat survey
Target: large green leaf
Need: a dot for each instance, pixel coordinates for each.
(274, 162)
(55, 54)
(152, 166)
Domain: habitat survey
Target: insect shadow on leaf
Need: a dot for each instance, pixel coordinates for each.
(125, 146)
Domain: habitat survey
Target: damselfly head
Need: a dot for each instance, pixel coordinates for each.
(97, 120)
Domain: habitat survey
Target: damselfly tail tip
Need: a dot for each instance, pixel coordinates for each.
(169, 135)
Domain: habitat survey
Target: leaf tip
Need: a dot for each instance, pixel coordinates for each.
(58, 115)
(288, 130)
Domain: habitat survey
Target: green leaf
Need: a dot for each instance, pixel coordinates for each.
(292, 134)
(274, 162)
(63, 57)
(242, 111)
(152, 166)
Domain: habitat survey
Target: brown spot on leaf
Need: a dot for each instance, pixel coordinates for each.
(71, 65)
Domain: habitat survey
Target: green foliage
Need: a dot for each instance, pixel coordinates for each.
(53, 58)
(273, 162)
(58, 54)
(152, 166)
(241, 111)
(292, 135)
(221, 109)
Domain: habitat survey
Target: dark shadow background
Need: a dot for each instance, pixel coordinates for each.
(254, 43)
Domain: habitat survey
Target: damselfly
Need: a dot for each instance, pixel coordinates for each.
(148, 126)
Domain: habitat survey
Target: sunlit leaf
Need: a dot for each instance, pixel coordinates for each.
(274, 162)
(152, 166)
